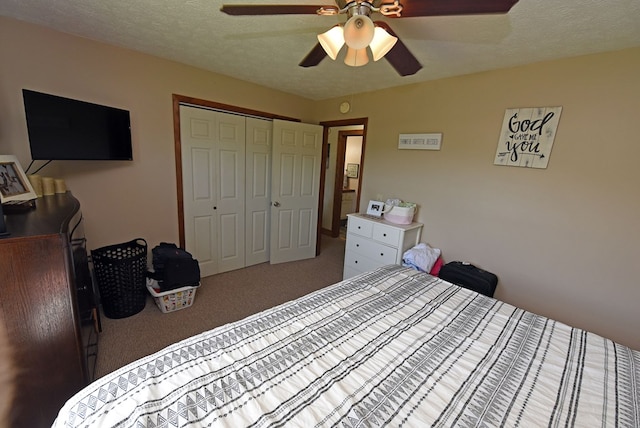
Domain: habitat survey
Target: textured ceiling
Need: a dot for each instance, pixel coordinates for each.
(267, 49)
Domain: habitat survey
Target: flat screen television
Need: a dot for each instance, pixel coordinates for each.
(67, 129)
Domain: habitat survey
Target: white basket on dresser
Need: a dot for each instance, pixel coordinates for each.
(372, 243)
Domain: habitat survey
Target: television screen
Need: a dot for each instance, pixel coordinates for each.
(66, 129)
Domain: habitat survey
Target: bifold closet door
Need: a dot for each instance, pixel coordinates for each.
(258, 190)
(231, 191)
(213, 174)
(231, 173)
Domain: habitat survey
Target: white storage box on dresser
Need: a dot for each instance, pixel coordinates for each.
(372, 243)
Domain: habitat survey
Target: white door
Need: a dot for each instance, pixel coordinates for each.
(213, 172)
(258, 190)
(230, 191)
(197, 135)
(295, 185)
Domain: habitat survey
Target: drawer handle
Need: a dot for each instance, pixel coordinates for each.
(359, 227)
(382, 254)
(356, 262)
(384, 234)
(357, 245)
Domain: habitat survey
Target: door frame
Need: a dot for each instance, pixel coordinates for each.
(197, 102)
(362, 121)
(337, 188)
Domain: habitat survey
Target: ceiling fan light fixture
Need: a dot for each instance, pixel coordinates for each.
(332, 41)
(358, 31)
(356, 57)
(382, 43)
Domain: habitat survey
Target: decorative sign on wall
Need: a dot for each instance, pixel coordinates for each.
(527, 136)
(420, 141)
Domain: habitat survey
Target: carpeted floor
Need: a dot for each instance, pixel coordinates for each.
(221, 299)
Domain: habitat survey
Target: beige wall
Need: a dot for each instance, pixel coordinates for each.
(120, 200)
(563, 240)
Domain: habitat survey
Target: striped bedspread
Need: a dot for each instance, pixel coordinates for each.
(393, 347)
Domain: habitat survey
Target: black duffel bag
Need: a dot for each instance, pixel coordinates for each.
(174, 267)
(468, 276)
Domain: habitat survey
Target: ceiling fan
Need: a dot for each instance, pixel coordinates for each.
(360, 31)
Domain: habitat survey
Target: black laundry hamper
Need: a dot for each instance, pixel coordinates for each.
(120, 272)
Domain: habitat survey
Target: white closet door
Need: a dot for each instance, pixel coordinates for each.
(213, 174)
(198, 141)
(258, 190)
(295, 185)
(230, 191)
(233, 168)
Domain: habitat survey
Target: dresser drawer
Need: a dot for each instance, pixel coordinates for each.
(359, 263)
(381, 254)
(388, 235)
(372, 243)
(360, 226)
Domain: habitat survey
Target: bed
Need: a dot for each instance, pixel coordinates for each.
(393, 347)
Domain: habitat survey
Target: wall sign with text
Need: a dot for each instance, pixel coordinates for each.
(527, 136)
(420, 141)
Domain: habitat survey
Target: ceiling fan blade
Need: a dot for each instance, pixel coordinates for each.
(314, 57)
(274, 9)
(399, 56)
(412, 8)
(403, 60)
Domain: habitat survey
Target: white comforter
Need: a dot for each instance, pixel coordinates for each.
(394, 347)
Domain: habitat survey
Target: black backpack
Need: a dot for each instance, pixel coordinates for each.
(174, 267)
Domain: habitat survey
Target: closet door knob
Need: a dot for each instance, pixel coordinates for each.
(276, 204)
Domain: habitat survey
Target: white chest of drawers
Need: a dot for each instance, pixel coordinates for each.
(372, 243)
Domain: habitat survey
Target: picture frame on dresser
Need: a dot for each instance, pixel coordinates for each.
(375, 208)
(14, 185)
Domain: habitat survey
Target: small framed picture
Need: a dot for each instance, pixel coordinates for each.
(375, 208)
(14, 185)
(352, 170)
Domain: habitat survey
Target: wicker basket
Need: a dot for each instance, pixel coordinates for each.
(120, 272)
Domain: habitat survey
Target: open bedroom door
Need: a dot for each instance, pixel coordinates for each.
(295, 187)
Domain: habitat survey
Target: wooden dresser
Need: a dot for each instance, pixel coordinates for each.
(48, 305)
(372, 243)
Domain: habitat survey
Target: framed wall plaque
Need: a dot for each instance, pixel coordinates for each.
(353, 170)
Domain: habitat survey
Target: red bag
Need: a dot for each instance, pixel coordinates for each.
(435, 270)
